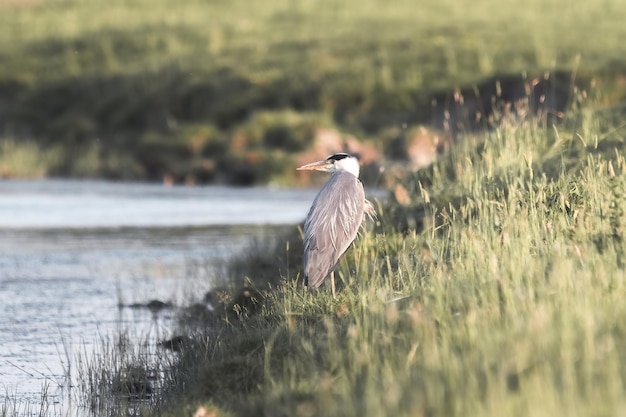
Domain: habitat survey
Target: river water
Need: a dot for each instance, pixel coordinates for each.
(72, 251)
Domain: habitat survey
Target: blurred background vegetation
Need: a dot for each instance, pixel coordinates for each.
(238, 91)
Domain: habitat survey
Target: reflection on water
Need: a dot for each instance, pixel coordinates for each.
(70, 251)
(64, 204)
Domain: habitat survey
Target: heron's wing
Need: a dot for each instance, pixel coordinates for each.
(331, 225)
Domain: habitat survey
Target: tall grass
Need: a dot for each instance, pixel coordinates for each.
(504, 298)
(124, 375)
(507, 302)
(13, 406)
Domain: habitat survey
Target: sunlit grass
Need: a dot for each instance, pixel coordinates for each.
(434, 44)
(507, 300)
(502, 296)
(26, 159)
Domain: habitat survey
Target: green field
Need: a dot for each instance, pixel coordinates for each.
(145, 89)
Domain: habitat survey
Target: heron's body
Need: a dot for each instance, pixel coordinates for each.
(325, 241)
(334, 219)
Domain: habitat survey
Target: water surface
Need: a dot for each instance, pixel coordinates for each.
(71, 251)
(89, 204)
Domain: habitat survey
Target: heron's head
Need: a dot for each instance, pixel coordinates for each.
(334, 163)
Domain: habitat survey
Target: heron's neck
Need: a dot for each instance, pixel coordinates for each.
(350, 165)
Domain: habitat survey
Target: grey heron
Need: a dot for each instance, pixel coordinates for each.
(334, 219)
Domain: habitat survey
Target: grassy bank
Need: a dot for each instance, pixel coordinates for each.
(154, 89)
(495, 290)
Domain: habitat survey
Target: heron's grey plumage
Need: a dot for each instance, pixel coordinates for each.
(331, 225)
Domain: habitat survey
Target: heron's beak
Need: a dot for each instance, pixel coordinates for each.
(316, 166)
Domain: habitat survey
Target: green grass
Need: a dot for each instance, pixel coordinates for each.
(393, 45)
(115, 75)
(505, 298)
(26, 159)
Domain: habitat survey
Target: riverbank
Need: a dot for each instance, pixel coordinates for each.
(235, 92)
(495, 289)
(87, 267)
